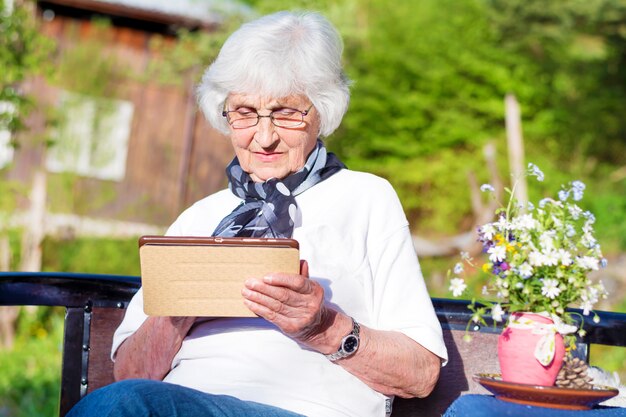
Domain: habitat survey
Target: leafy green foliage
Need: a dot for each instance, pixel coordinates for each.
(23, 52)
(31, 370)
(97, 256)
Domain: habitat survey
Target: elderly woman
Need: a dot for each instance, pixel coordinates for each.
(356, 326)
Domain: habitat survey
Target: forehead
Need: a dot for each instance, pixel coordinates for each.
(259, 102)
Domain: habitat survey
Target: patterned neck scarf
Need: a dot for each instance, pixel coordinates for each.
(269, 208)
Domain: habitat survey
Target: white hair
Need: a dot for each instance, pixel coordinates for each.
(279, 55)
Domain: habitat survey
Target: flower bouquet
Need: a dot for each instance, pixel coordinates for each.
(538, 258)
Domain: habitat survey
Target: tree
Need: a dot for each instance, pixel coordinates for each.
(23, 53)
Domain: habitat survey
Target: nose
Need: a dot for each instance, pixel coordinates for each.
(265, 134)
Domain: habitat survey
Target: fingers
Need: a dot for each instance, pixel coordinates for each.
(278, 299)
(292, 302)
(297, 283)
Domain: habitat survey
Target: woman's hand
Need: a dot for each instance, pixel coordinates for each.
(387, 361)
(292, 302)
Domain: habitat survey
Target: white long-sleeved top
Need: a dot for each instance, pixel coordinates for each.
(354, 234)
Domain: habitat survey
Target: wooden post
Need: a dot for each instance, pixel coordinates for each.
(34, 233)
(5, 253)
(515, 144)
(8, 314)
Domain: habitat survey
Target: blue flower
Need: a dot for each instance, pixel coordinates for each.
(589, 216)
(544, 201)
(487, 188)
(577, 188)
(535, 171)
(563, 195)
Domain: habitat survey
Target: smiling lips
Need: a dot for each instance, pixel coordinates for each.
(268, 156)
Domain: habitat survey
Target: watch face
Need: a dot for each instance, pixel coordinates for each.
(350, 344)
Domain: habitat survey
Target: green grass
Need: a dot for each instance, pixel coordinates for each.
(31, 370)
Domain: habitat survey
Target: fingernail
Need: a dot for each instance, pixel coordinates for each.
(267, 279)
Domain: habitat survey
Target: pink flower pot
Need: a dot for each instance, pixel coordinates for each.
(517, 346)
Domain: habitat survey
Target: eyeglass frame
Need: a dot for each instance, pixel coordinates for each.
(258, 117)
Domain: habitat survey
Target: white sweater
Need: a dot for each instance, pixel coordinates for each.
(354, 234)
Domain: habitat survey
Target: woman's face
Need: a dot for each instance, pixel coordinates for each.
(267, 151)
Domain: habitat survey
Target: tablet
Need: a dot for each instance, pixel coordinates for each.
(204, 276)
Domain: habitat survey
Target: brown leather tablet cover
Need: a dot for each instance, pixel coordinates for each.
(191, 276)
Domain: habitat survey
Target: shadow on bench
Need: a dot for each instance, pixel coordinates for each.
(95, 306)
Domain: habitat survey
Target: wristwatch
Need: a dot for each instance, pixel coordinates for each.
(349, 344)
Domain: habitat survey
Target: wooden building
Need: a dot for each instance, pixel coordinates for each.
(115, 143)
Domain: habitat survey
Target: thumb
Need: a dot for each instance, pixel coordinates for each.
(304, 268)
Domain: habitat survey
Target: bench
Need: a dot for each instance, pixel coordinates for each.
(95, 306)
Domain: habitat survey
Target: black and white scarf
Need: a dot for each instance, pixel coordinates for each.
(269, 208)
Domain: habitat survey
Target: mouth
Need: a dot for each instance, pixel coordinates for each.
(268, 156)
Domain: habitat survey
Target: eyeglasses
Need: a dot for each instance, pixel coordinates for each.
(246, 117)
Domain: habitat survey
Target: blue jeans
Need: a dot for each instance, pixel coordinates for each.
(143, 398)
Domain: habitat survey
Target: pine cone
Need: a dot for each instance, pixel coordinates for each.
(573, 374)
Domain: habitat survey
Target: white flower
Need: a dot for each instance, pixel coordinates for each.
(457, 286)
(487, 188)
(485, 291)
(536, 258)
(458, 268)
(551, 258)
(488, 231)
(546, 240)
(564, 257)
(587, 262)
(497, 313)
(465, 255)
(550, 288)
(524, 237)
(525, 270)
(503, 224)
(497, 253)
(525, 222)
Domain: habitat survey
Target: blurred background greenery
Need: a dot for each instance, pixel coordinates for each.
(430, 77)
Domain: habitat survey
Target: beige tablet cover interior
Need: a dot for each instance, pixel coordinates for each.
(206, 280)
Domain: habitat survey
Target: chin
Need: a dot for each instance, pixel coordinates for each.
(264, 175)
